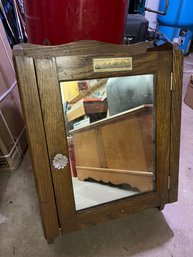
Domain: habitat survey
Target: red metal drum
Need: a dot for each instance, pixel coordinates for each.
(63, 21)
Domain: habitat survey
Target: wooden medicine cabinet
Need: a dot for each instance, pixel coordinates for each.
(103, 125)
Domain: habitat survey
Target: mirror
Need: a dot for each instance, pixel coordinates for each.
(110, 131)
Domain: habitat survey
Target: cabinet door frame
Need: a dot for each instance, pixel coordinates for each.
(39, 70)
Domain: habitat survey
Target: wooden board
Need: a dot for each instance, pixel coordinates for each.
(76, 111)
(162, 125)
(78, 48)
(37, 144)
(56, 141)
(143, 181)
(123, 145)
(86, 151)
(117, 209)
(175, 124)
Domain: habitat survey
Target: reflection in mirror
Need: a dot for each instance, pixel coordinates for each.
(110, 131)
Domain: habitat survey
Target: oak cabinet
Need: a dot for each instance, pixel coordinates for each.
(127, 157)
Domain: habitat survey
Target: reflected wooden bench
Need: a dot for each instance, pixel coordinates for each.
(118, 149)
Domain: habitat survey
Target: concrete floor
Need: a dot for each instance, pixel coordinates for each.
(88, 194)
(149, 234)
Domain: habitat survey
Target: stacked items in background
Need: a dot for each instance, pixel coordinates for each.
(12, 16)
(12, 130)
(177, 25)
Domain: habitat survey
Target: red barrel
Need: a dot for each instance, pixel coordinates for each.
(63, 21)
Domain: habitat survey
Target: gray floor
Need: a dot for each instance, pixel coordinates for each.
(150, 233)
(88, 194)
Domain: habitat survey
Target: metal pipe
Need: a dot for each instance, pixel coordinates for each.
(158, 12)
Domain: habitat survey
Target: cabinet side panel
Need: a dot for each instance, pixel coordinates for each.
(37, 143)
(175, 124)
(163, 119)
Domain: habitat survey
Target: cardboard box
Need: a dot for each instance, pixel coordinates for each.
(189, 93)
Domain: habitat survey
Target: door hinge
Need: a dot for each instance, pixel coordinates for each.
(168, 182)
(171, 86)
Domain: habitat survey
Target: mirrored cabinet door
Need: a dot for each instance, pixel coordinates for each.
(109, 125)
(103, 125)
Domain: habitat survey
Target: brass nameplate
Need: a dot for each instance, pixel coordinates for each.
(112, 64)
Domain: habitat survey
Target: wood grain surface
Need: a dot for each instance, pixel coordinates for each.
(77, 48)
(162, 123)
(51, 105)
(116, 209)
(175, 123)
(37, 144)
(42, 106)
